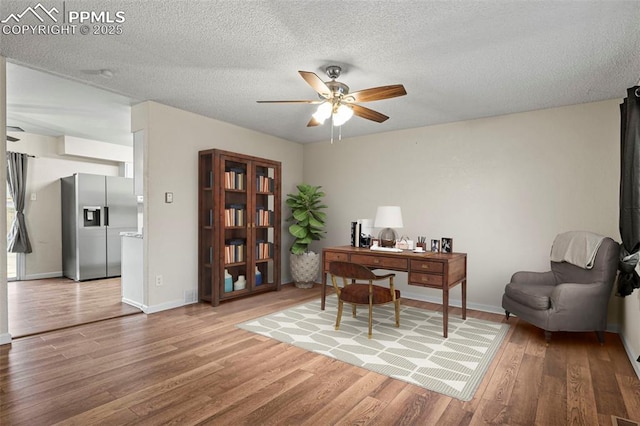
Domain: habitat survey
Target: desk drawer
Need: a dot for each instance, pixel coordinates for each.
(417, 278)
(427, 266)
(380, 261)
(332, 257)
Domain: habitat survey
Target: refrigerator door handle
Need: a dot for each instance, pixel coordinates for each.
(106, 215)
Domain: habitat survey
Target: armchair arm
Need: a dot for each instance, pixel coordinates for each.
(580, 306)
(534, 278)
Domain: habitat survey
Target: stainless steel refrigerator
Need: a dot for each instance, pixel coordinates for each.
(95, 210)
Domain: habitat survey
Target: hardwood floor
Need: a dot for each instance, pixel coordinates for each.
(43, 305)
(191, 365)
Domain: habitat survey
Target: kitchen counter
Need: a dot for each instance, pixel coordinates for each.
(131, 234)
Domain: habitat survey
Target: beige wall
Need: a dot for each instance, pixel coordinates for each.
(172, 140)
(501, 187)
(42, 216)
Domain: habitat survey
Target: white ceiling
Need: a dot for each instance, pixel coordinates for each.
(458, 60)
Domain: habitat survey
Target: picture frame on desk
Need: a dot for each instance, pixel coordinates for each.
(435, 246)
(447, 245)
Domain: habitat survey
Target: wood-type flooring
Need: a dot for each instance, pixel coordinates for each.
(37, 306)
(191, 365)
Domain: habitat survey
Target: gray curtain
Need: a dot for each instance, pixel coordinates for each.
(628, 279)
(17, 238)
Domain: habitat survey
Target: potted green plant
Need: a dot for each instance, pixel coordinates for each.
(308, 225)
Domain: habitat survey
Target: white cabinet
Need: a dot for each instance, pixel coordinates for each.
(132, 272)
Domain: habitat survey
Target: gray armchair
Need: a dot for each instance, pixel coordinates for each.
(567, 298)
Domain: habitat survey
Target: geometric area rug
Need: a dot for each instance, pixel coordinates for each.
(415, 352)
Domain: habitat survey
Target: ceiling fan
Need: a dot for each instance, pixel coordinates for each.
(13, 129)
(338, 104)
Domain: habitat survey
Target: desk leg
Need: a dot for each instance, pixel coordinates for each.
(445, 310)
(324, 290)
(464, 299)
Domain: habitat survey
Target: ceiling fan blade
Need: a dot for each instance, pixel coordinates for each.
(369, 114)
(313, 122)
(291, 102)
(316, 83)
(12, 139)
(376, 93)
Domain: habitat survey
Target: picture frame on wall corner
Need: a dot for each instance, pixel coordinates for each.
(447, 245)
(435, 246)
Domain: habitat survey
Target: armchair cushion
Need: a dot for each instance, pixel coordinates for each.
(534, 296)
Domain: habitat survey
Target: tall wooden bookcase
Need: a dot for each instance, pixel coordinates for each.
(239, 224)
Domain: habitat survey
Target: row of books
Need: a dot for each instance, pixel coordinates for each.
(264, 250)
(360, 233)
(264, 217)
(234, 178)
(234, 251)
(234, 215)
(264, 183)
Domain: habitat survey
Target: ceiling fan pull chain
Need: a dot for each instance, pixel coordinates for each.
(331, 129)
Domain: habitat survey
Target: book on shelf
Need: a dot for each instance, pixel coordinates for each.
(234, 214)
(264, 217)
(234, 251)
(234, 178)
(264, 183)
(264, 250)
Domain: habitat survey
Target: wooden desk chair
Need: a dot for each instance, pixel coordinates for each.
(360, 293)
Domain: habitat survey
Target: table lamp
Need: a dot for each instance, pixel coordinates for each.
(388, 217)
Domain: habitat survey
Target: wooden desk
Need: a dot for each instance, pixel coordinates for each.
(433, 270)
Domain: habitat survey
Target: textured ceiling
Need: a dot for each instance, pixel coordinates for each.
(458, 60)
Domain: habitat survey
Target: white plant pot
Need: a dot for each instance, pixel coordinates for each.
(305, 268)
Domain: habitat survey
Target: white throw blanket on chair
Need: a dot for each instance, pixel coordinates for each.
(576, 247)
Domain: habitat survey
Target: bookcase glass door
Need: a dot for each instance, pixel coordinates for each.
(236, 226)
(265, 221)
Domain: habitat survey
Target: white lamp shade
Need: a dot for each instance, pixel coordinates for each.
(323, 112)
(342, 115)
(388, 217)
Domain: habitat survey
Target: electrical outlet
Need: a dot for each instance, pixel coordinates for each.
(34, 196)
(158, 280)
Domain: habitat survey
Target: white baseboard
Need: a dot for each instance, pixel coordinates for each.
(5, 339)
(163, 306)
(633, 357)
(43, 275)
(140, 306)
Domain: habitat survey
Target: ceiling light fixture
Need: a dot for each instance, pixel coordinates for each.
(338, 112)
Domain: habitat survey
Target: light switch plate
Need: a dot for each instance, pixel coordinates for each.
(34, 196)
(168, 197)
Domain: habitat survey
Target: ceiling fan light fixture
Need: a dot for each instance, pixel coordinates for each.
(323, 112)
(342, 115)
